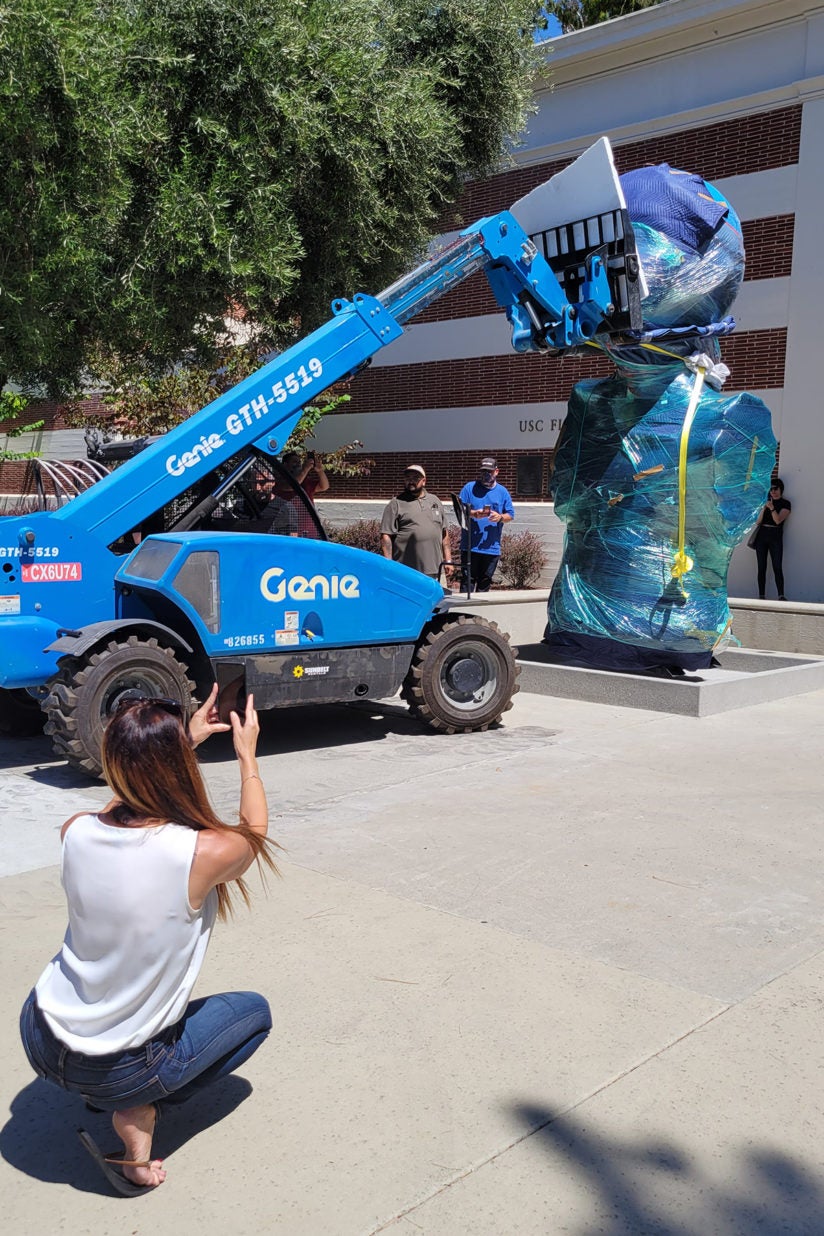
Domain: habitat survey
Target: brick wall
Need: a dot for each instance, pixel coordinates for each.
(446, 472)
(727, 148)
(768, 244)
(17, 477)
(54, 414)
(756, 359)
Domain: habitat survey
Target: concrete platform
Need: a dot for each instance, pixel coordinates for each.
(745, 677)
(791, 626)
(788, 626)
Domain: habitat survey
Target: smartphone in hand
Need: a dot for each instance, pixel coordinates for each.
(231, 691)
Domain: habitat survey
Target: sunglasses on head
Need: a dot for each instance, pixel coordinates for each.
(173, 707)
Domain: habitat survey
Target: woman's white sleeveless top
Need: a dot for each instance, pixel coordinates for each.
(134, 945)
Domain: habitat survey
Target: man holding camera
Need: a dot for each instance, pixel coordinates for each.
(490, 507)
(309, 474)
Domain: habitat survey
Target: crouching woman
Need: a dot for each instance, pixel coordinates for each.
(110, 1017)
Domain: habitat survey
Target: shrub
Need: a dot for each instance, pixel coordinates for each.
(522, 559)
(362, 534)
(454, 533)
(522, 554)
(25, 506)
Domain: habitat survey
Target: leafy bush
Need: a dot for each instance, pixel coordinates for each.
(454, 533)
(24, 506)
(522, 559)
(522, 554)
(12, 407)
(362, 534)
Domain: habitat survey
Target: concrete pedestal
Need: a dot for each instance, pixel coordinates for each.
(744, 678)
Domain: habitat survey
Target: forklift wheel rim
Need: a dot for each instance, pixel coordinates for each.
(469, 676)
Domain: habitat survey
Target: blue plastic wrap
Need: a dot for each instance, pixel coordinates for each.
(616, 487)
(656, 486)
(687, 285)
(686, 288)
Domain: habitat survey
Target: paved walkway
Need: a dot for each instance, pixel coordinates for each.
(564, 977)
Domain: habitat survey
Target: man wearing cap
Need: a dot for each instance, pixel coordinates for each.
(413, 527)
(490, 507)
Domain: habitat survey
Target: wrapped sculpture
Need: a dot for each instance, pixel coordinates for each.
(658, 475)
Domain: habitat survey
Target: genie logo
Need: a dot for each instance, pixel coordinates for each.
(176, 465)
(317, 587)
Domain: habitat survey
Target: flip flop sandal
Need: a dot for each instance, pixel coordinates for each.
(108, 1164)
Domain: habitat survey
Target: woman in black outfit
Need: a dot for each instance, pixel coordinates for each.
(769, 540)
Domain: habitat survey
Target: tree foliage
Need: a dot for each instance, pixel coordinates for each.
(12, 407)
(576, 14)
(165, 158)
(152, 404)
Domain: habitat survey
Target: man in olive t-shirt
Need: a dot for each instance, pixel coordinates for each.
(413, 527)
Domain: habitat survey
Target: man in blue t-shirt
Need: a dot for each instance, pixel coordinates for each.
(490, 507)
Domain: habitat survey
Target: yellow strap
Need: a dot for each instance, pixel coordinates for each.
(727, 626)
(681, 562)
(751, 464)
(710, 639)
(631, 343)
(654, 347)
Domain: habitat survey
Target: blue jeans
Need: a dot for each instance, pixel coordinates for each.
(213, 1038)
(484, 567)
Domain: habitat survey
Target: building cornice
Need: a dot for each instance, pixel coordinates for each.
(653, 33)
(677, 65)
(766, 101)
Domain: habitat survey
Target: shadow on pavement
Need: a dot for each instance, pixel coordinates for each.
(39, 1138)
(313, 727)
(777, 1195)
(18, 752)
(306, 728)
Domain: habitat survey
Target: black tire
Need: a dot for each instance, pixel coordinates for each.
(20, 714)
(463, 676)
(87, 689)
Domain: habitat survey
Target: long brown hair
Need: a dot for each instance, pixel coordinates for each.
(150, 765)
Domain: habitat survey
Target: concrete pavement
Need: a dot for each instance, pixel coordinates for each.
(563, 977)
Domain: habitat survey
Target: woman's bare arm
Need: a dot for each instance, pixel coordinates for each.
(224, 855)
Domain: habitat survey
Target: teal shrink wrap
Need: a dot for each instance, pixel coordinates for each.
(659, 474)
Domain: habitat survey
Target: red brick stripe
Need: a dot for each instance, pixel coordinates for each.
(756, 359)
(736, 147)
(53, 414)
(768, 244)
(446, 472)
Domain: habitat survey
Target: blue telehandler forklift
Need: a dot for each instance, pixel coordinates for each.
(183, 566)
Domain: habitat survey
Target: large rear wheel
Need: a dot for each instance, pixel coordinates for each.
(463, 676)
(88, 690)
